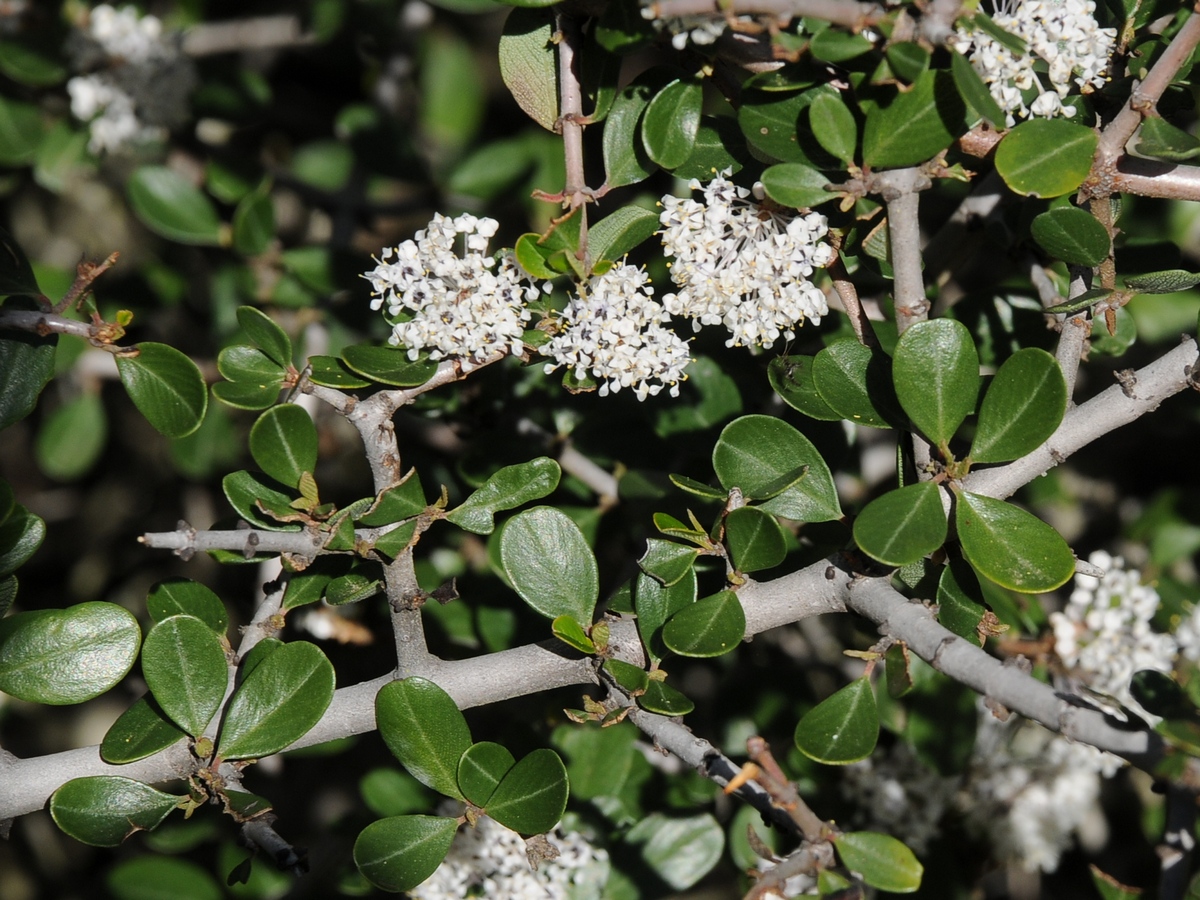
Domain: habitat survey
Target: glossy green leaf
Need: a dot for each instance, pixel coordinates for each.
(529, 63)
(834, 45)
(242, 363)
(72, 438)
(1162, 140)
(249, 497)
(572, 634)
(719, 147)
(248, 395)
(974, 91)
(532, 796)
(792, 379)
(1111, 889)
(166, 387)
(620, 231)
(770, 119)
(763, 455)
(907, 59)
(663, 699)
(709, 397)
(881, 860)
(550, 564)
(266, 335)
(482, 767)
(278, 702)
(329, 371)
(915, 125)
(398, 853)
(599, 760)
(181, 596)
(842, 728)
(625, 159)
(171, 206)
(21, 534)
(630, 678)
(26, 366)
(680, 851)
(833, 126)
(21, 131)
(161, 878)
(903, 525)
(388, 366)
(856, 381)
(959, 600)
(140, 731)
(103, 810)
(709, 627)
(305, 587)
(1011, 547)
(284, 443)
(508, 488)
(797, 185)
(667, 561)
(16, 274)
(754, 539)
(1166, 282)
(935, 370)
(655, 604)
(424, 729)
(1046, 157)
(1023, 406)
(1072, 235)
(63, 656)
(396, 503)
(8, 593)
(254, 222)
(185, 668)
(390, 791)
(670, 122)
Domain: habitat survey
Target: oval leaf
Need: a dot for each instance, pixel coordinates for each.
(671, 121)
(254, 222)
(507, 489)
(140, 731)
(767, 457)
(1072, 235)
(655, 604)
(532, 796)
(182, 596)
(20, 536)
(681, 851)
(278, 703)
(1010, 546)
(709, 627)
(166, 387)
(550, 564)
(881, 860)
(103, 810)
(935, 371)
(161, 878)
(796, 184)
(284, 443)
(1046, 157)
(902, 526)
(915, 125)
(572, 634)
(620, 231)
(754, 539)
(960, 601)
(1023, 406)
(833, 125)
(1162, 140)
(842, 728)
(171, 206)
(856, 381)
(529, 64)
(481, 769)
(266, 335)
(388, 366)
(186, 671)
(64, 656)
(663, 699)
(71, 439)
(625, 159)
(398, 853)
(792, 379)
(1166, 282)
(666, 561)
(424, 729)
(250, 497)
(26, 365)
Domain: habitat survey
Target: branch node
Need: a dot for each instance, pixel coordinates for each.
(1127, 378)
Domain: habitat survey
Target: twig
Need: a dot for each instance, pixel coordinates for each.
(574, 463)
(904, 233)
(839, 12)
(241, 35)
(1073, 329)
(848, 294)
(46, 323)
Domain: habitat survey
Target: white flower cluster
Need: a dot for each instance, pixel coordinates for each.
(469, 306)
(615, 332)
(124, 33)
(1062, 33)
(1104, 634)
(110, 114)
(895, 792)
(489, 861)
(743, 263)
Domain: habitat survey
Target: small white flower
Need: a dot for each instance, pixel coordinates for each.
(743, 263)
(895, 792)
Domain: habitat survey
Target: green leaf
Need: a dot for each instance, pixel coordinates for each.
(655, 604)
(915, 125)
(21, 533)
(8, 593)
(185, 668)
(529, 63)
(166, 387)
(709, 627)
(26, 65)
(266, 335)
(761, 454)
(1072, 235)
(305, 588)
(482, 767)
(856, 381)
(902, 526)
(908, 59)
(26, 366)
(1111, 889)
(842, 728)
(834, 45)
(249, 496)
(881, 860)
(1160, 694)
(959, 600)
(398, 853)
(16, 274)
(792, 379)
(103, 810)
(754, 539)
(396, 503)
(935, 371)
(797, 185)
(1046, 157)
(247, 395)
(72, 438)
(171, 206)
(161, 878)
(1166, 282)
(140, 731)
(572, 634)
(389, 791)
(680, 851)
(243, 363)
(670, 122)
(388, 366)
(630, 678)
(719, 147)
(625, 159)
(620, 231)
(833, 126)
(666, 561)
(254, 222)
(63, 656)
(1011, 547)
(177, 596)
(599, 760)
(284, 443)
(1023, 406)
(424, 729)
(974, 91)
(21, 132)
(663, 699)
(532, 796)
(329, 371)
(508, 488)
(550, 564)
(1162, 140)
(1012, 42)
(278, 702)
(769, 121)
